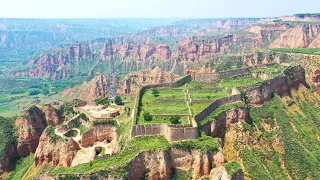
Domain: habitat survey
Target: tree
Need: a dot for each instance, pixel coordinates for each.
(118, 100)
(34, 92)
(147, 116)
(155, 92)
(45, 91)
(175, 119)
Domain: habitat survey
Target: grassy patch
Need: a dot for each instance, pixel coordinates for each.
(22, 166)
(299, 50)
(204, 144)
(232, 167)
(166, 108)
(198, 107)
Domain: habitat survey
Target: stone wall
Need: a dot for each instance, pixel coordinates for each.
(215, 104)
(170, 132)
(143, 89)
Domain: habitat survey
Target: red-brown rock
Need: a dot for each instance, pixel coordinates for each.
(29, 128)
(51, 115)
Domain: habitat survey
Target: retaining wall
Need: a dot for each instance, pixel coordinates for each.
(170, 132)
(215, 104)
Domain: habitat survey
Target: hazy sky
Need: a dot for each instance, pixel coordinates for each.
(154, 8)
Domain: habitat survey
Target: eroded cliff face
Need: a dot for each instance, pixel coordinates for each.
(293, 77)
(51, 115)
(218, 127)
(131, 83)
(100, 133)
(159, 163)
(301, 36)
(29, 128)
(89, 91)
(55, 150)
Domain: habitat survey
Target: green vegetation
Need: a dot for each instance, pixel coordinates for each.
(299, 50)
(198, 107)
(7, 131)
(84, 117)
(204, 144)
(208, 94)
(166, 108)
(175, 119)
(50, 130)
(102, 101)
(164, 120)
(4, 98)
(22, 166)
(296, 125)
(118, 100)
(178, 174)
(147, 116)
(71, 133)
(232, 167)
(155, 92)
(111, 122)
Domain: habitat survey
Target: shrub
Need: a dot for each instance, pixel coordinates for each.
(34, 92)
(103, 101)
(118, 100)
(155, 92)
(147, 116)
(17, 91)
(84, 117)
(45, 91)
(175, 120)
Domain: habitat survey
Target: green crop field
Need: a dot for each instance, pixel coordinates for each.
(166, 108)
(169, 93)
(299, 50)
(208, 94)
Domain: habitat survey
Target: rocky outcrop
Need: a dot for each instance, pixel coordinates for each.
(52, 116)
(29, 128)
(292, 77)
(159, 163)
(131, 83)
(302, 17)
(219, 126)
(55, 150)
(315, 78)
(220, 173)
(89, 91)
(297, 37)
(99, 133)
(134, 51)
